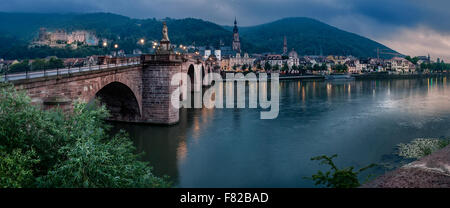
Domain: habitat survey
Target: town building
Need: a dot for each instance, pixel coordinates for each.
(279, 60)
(400, 65)
(61, 38)
(236, 62)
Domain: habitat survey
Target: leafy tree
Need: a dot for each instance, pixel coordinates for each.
(20, 67)
(340, 68)
(38, 64)
(267, 66)
(276, 67)
(337, 178)
(412, 60)
(323, 67)
(302, 69)
(295, 67)
(16, 168)
(94, 163)
(52, 149)
(285, 67)
(55, 63)
(316, 67)
(259, 67)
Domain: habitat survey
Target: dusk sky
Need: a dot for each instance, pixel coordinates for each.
(413, 27)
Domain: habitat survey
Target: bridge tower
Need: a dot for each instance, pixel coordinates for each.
(157, 72)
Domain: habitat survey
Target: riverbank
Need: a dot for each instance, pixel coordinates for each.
(374, 76)
(302, 77)
(397, 76)
(432, 171)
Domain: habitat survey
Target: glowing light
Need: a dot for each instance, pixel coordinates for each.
(116, 46)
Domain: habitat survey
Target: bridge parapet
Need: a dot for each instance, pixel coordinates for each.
(156, 58)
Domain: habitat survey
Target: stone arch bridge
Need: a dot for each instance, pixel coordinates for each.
(132, 93)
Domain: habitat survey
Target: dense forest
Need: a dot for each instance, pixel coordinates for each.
(310, 37)
(307, 36)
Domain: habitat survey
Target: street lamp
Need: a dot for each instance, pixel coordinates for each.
(116, 46)
(142, 41)
(105, 44)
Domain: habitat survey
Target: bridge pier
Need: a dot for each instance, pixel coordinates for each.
(157, 73)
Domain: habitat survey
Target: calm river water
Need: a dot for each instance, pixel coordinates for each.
(361, 121)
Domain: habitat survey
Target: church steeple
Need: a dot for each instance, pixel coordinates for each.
(285, 49)
(235, 29)
(236, 41)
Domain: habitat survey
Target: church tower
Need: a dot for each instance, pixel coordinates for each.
(236, 41)
(285, 49)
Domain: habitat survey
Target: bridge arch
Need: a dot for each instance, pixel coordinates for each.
(120, 100)
(191, 73)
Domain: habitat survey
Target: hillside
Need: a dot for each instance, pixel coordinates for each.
(122, 30)
(305, 35)
(309, 37)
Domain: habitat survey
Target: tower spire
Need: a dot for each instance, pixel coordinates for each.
(285, 49)
(235, 30)
(236, 41)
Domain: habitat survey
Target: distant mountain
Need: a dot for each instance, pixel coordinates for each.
(307, 36)
(119, 29)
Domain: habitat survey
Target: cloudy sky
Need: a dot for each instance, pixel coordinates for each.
(414, 27)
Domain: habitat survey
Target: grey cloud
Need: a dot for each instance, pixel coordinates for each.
(409, 13)
(376, 19)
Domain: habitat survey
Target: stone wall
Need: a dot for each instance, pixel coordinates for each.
(63, 90)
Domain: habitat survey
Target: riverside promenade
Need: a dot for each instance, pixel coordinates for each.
(432, 171)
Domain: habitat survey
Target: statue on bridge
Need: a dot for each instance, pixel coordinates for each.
(164, 44)
(165, 33)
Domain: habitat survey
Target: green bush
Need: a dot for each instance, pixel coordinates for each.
(421, 147)
(337, 178)
(52, 149)
(16, 169)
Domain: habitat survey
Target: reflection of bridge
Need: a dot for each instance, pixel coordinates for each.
(135, 91)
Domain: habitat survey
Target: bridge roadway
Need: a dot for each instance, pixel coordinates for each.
(53, 72)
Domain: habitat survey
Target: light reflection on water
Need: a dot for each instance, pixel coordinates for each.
(361, 121)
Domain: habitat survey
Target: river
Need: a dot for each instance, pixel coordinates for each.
(361, 121)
